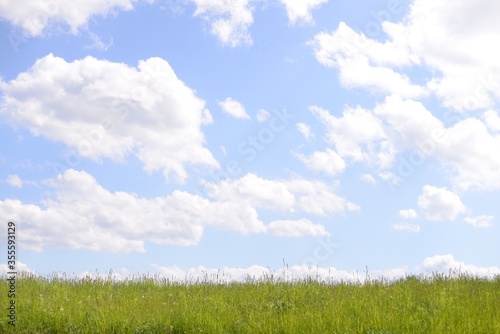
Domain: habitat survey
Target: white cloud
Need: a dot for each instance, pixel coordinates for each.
(35, 16)
(430, 266)
(263, 115)
(84, 215)
(300, 10)
(450, 39)
(467, 148)
(480, 221)
(328, 162)
(440, 204)
(234, 108)
(402, 133)
(368, 178)
(389, 177)
(408, 214)
(379, 79)
(305, 130)
(448, 265)
(98, 44)
(229, 19)
(358, 135)
(471, 153)
(294, 195)
(258, 273)
(412, 125)
(296, 228)
(455, 39)
(256, 191)
(21, 267)
(406, 227)
(492, 120)
(363, 62)
(111, 110)
(345, 43)
(318, 198)
(14, 181)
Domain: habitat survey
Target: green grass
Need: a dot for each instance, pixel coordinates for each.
(441, 304)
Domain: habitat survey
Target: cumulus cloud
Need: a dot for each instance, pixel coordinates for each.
(14, 181)
(359, 136)
(229, 19)
(466, 148)
(482, 221)
(305, 130)
(110, 110)
(21, 267)
(294, 195)
(296, 228)
(300, 10)
(35, 16)
(448, 265)
(470, 151)
(234, 108)
(408, 214)
(328, 162)
(389, 177)
(450, 39)
(406, 227)
(258, 273)
(454, 39)
(84, 215)
(363, 62)
(399, 134)
(412, 126)
(430, 266)
(492, 120)
(263, 115)
(438, 264)
(440, 204)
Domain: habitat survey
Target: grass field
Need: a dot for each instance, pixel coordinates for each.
(441, 304)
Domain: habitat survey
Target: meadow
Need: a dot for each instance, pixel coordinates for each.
(414, 304)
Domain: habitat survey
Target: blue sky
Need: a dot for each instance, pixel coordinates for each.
(176, 137)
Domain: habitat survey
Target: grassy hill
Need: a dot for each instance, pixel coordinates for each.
(441, 304)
